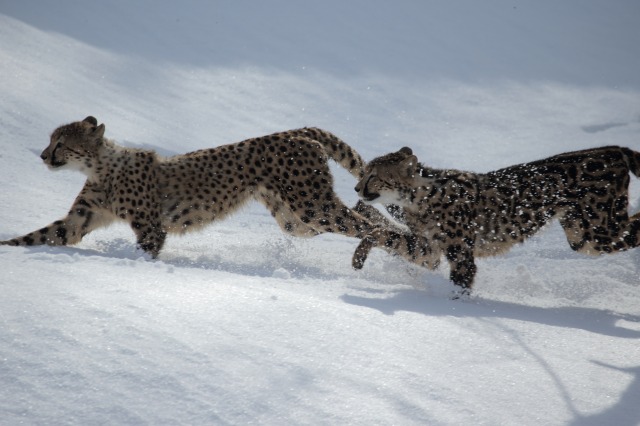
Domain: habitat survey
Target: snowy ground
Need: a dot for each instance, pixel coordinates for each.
(240, 324)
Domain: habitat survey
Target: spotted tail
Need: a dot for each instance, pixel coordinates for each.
(337, 150)
(633, 160)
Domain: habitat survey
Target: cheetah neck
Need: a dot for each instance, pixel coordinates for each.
(421, 186)
(108, 161)
(411, 195)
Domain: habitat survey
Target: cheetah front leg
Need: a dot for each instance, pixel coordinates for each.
(374, 216)
(414, 248)
(463, 269)
(83, 217)
(417, 250)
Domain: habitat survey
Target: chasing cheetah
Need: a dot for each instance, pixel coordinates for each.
(466, 215)
(287, 172)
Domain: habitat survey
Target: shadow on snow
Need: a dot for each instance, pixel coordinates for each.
(593, 320)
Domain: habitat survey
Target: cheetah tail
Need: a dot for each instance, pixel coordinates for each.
(338, 151)
(633, 160)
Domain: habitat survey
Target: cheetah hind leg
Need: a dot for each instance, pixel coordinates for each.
(289, 222)
(150, 237)
(621, 232)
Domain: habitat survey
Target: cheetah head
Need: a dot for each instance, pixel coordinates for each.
(74, 146)
(387, 179)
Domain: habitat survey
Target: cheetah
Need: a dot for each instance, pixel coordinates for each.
(465, 215)
(287, 172)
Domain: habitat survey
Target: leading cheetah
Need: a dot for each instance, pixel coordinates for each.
(466, 215)
(287, 172)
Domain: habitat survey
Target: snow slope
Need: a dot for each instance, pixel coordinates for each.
(241, 324)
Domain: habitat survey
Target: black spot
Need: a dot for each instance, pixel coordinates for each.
(62, 234)
(411, 241)
(594, 166)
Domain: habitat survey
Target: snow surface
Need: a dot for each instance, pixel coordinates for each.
(240, 324)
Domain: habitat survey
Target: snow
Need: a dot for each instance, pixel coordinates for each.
(241, 324)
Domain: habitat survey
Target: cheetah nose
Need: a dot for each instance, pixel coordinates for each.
(44, 155)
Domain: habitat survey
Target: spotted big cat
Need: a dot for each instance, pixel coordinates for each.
(288, 172)
(465, 215)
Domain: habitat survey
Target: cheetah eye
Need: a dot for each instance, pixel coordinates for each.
(58, 145)
(370, 178)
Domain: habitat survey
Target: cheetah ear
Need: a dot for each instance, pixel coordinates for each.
(98, 132)
(409, 165)
(406, 150)
(91, 120)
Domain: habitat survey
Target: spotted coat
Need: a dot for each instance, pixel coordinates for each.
(288, 172)
(466, 215)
